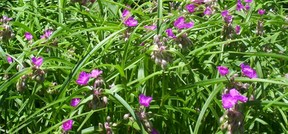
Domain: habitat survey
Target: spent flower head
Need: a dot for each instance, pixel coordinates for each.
(152, 27)
(145, 100)
(5, 19)
(47, 34)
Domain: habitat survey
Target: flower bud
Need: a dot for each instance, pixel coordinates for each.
(126, 116)
(105, 100)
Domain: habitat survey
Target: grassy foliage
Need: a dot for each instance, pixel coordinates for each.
(182, 77)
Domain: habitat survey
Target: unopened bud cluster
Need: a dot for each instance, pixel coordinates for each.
(159, 54)
(108, 125)
(6, 31)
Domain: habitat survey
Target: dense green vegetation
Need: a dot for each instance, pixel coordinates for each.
(179, 67)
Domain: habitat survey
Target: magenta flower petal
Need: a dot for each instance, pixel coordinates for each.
(9, 59)
(223, 70)
(28, 36)
(47, 34)
(95, 73)
(131, 22)
(180, 22)
(190, 8)
(75, 101)
(170, 33)
(5, 19)
(231, 98)
(236, 95)
(152, 27)
(189, 25)
(237, 29)
(228, 101)
(83, 78)
(224, 13)
(145, 100)
(261, 11)
(67, 125)
(37, 61)
(239, 5)
(126, 13)
(248, 1)
(208, 11)
(248, 71)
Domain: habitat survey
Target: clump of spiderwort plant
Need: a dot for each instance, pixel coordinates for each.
(38, 74)
(232, 120)
(99, 100)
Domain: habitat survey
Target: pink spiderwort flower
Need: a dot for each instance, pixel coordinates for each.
(47, 34)
(170, 33)
(126, 13)
(28, 36)
(248, 1)
(237, 29)
(228, 19)
(180, 23)
(248, 71)
(130, 22)
(261, 11)
(67, 125)
(75, 101)
(145, 100)
(247, 7)
(83, 78)
(190, 8)
(223, 70)
(152, 27)
(231, 98)
(224, 13)
(9, 59)
(5, 19)
(95, 73)
(239, 5)
(37, 61)
(208, 11)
